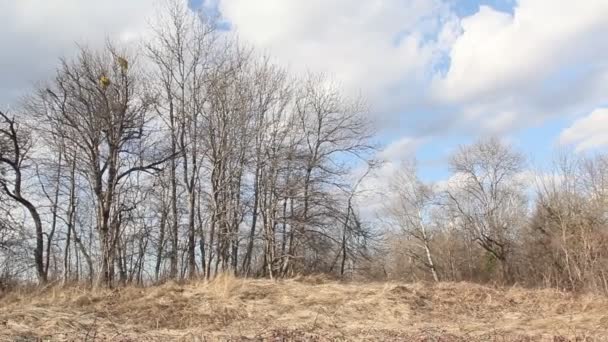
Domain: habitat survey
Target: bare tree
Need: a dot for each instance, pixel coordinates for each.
(410, 206)
(15, 146)
(182, 52)
(98, 103)
(566, 236)
(488, 198)
(330, 126)
(270, 96)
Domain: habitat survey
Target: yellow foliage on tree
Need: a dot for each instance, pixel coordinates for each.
(124, 64)
(104, 81)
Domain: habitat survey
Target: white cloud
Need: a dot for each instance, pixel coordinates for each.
(36, 33)
(544, 59)
(375, 189)
(375, 47)
(400, 149)
(452, 183)
(505, 70)
(547, 58)
(588, 132)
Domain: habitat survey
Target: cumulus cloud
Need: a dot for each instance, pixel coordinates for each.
(498, 70)
(488, 72)
(36, 33)
(510, 70)
(376, 47)
(588, 132)
(375, 188)
(400, 149)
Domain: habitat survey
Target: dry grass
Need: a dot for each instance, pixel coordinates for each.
(305, 309)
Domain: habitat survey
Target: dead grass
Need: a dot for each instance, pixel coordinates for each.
(303, 309)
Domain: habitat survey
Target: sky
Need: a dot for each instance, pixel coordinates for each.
(435, 73)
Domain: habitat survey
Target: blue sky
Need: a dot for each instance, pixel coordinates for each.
(468, 7)
(469, 69)
(436, 73)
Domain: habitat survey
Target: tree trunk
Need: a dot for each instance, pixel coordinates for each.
(161, 244)
(254, 217)
(54, 216)
(71, 219)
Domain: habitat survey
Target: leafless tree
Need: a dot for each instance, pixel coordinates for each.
(15, 145)
(99, 105)
(330, 126)
(410, 206)
(488, 197)
(566, 237)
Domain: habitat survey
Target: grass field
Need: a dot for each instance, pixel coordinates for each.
(304, 309)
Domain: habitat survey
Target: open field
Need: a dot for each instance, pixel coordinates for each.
(305, 309)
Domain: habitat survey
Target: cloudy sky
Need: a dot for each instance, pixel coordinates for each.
(436, 73)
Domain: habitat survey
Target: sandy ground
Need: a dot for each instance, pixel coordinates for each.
(305, 309)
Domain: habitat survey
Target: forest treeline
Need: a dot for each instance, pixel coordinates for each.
(191, 155)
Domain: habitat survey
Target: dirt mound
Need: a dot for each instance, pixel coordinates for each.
(229, 309)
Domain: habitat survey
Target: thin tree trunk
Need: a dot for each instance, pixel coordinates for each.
(54, 215)
(161, 244)
(192, 232)
(343, 263)
(174, 218)
(71, 219)
(202, 237)
(247, 259)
